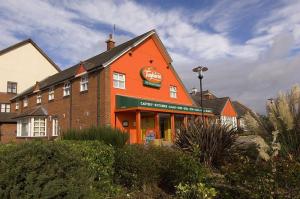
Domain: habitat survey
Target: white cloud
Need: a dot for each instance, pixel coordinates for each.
(283, 19)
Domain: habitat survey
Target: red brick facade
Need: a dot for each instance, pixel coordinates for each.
(8, 132)
(78, 110)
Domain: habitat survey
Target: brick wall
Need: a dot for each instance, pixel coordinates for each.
(80, 109)
(8, 132)
(84, 104)
(105, 93)
(58, 108)
(5, 97)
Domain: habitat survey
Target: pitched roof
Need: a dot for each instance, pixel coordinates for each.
(241, 109)
(5, 97)
(22, 43)
(90, 64)
(217, 104)
(37, 111)
(7, 117)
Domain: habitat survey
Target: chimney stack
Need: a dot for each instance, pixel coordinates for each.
(193, 91)
(110, 42)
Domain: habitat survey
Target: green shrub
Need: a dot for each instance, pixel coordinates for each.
(209, 143)
(176, 167)
(287, 178)
(137, 166)
(108, 135)
(245, 178)
(99, 158)
(43, 170)
(195, 191)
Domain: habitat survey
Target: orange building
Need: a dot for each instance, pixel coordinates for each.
(132, 86)
(222, 107)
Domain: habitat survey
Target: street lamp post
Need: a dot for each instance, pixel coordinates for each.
(200, 70)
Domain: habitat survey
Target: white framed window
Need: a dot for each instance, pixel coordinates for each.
(39, 127)
(173, 91)
(25, 102)
(23, 127)
(39, 98)
(55, 128)
(67, 89)
(119, 80)
(17, 105)
(51, 94)
(8, 108)
(32, 127)
(5, 108)
(84, 83)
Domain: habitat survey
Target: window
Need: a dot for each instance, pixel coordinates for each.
(55, 128)
(231, 121)
(32, 127)
(25, 102)
(84, 82)
(39, 127)
(11, 87)
(17, 105)
(39, 98)
(67, 89)
(119, 80)
(51, 94)
(24, 127)
(5, 108)
(173, 91)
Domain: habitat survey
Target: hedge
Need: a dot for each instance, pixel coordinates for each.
(137, 166)
(42, 170)
(62, 169)
(108, 135)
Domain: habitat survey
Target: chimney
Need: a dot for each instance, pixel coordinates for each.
(193, 91)
(110, 42)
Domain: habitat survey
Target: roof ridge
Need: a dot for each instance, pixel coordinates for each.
(16, 45)
(105, 55)
(29, 40)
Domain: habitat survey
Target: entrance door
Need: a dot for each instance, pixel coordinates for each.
(165, 126)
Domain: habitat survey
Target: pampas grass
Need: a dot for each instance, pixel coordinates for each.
(283, 114)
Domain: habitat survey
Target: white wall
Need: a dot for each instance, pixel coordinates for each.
(231, 121)
(24, 65)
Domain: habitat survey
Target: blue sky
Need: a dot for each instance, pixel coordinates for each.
(250, 47)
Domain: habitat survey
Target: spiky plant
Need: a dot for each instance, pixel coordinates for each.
(209, 143)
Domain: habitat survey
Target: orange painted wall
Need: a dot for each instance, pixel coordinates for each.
(131, 129)
(131, 66)
(229, 110)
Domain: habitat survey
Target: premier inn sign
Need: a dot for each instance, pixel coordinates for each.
(123, 102)
(151, 77)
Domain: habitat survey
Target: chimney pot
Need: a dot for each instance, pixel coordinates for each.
(110, 42)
